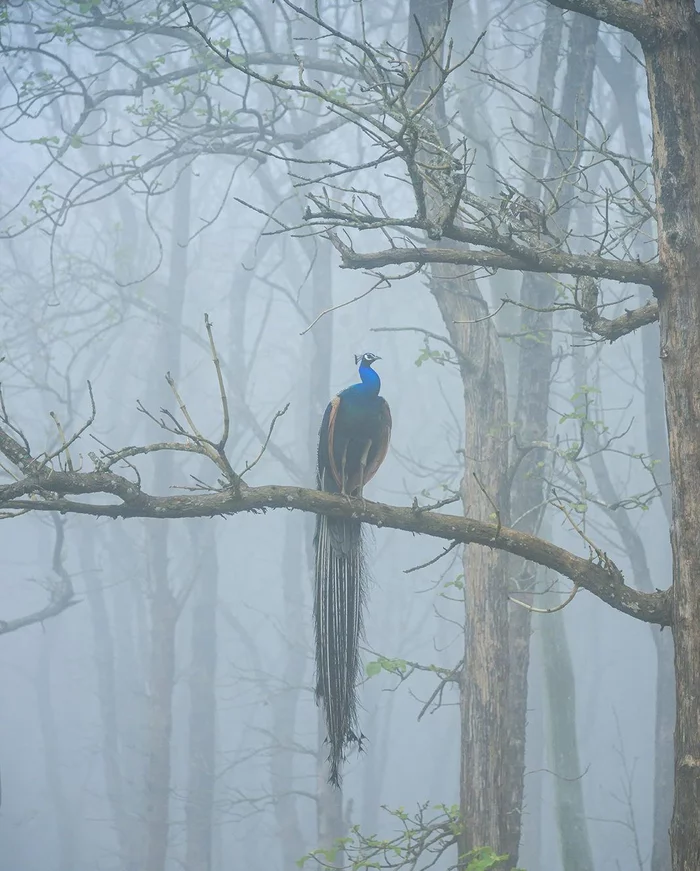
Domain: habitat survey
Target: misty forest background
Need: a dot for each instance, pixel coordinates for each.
(177, 691)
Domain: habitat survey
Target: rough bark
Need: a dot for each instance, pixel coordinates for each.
(673, 70)
(483, 699)
(484, 683)
(621, 76)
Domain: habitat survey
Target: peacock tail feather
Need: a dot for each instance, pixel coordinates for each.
(340, 587)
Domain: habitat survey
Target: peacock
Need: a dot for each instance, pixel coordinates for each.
(353, 442)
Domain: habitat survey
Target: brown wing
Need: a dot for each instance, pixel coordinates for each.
(334, 405)
(384, 435)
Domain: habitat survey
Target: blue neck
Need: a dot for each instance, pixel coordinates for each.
(370, 380)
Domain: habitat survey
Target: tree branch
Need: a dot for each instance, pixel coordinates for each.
(598, 574)
(625, 14)
(614, 328)
(649, 274)
(61, 594)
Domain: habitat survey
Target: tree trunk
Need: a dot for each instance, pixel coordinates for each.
(673, 70)
(622, 77)
(576, 854)
(199, 811)
(164, 609)
(534, 364)
(161, 680)
(65, 824)
(484, 684)
(103, 644)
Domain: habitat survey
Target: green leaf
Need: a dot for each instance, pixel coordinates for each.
(484, 859)
(372, 669)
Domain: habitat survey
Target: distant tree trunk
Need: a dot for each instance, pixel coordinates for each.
(621, 75)
(532, 411)
(164, 608)
(673, 70)
(130, 664)
(103, 643)
(530, 851)
(161, 679)
(62, 808)
(284, 700)
(483, 689)
(126, 611)
(576, 853)
(534, 364)
(330, 824)
(199, 809)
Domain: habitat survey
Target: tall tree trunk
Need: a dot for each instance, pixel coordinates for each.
(657, 446)
(164, 608)
(199, 811)
(103, 643)
(65, 824)
(531, 418)
(483, 698)
(161, 679)
(673, 70)
(576, 853)
(621, 76)
(531, 421)
(483, 689)
(539, 293)
(286, 698)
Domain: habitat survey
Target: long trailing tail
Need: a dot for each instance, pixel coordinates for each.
(340, 584)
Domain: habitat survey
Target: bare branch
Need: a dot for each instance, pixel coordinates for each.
(649, 274)
(599, 576)
(625, 14)
(607, 328)
(61, 594)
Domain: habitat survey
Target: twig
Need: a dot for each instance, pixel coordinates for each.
(222, 390)
(249, 466)
(486, 317)
(340, 305)
(419, 509)
(449, 678)
(432, 561)
(534, 610)
(66, 444)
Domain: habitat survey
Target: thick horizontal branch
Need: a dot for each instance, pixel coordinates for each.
(625, 14)
(612, 328)
(626, 271)
(600, 576)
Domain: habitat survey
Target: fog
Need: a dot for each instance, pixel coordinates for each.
(105, 277)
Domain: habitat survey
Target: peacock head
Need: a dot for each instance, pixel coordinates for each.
(366, 359)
